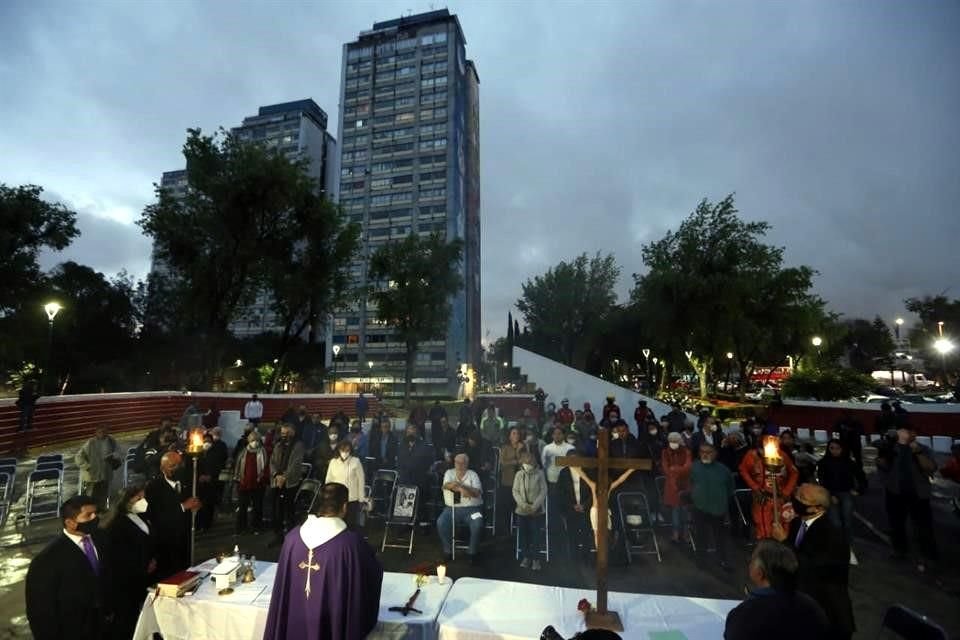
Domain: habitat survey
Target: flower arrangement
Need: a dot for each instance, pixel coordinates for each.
(422, 573)
(584, 606)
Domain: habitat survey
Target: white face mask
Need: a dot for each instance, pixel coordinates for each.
(333, 437)
(254, 445)
(616, 435)
(652, 432)
(140, 506)
(713, 427)
(571, 441)
(527, 467)
(344, 455)
(207, 445)
(674, 445)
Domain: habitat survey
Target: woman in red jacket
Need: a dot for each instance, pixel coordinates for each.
(676, 463)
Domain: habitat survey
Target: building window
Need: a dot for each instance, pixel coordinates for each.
(439, 143)
(407, 43)
(378, 233)
(432, 193)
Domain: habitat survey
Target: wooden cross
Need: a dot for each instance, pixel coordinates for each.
(309, 565)
(601, 618)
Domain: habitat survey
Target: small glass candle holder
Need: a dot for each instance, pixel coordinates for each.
(441, 573)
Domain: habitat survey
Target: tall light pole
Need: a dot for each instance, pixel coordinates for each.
(896, 328)
(729, 364)
(817, 341)
(336, 352)
(943, 346)
(369, 375)
(52, 309)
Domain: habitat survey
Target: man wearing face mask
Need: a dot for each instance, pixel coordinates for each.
(712, 490)
(413, 461)
(709, 432)
(286, 472)
(252, 475)
(908, 466)
(170, 505)
(67, 583)
(210, 488)
(346, 469)
(823, 555)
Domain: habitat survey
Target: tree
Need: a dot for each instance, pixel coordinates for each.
(27, 225)
(565, 307)
(411, 283)
(307, 277)
(827, 384)
(867, 343)
(713, 286)
(243, 202)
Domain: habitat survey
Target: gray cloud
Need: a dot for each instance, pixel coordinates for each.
(602, 125)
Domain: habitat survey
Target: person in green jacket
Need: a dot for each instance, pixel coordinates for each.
(712, 490)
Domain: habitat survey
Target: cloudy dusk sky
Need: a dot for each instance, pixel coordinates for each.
(602, 123)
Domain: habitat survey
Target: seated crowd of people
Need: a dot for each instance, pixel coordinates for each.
(491, 467)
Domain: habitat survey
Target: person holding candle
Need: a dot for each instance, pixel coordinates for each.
(772, 477)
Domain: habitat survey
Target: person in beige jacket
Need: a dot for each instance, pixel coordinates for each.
(97, 459)
(530, 495)
(509, 465)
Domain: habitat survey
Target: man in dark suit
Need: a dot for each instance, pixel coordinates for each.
(823, 554)
(774, 608)
(68, 581)
(170, 505)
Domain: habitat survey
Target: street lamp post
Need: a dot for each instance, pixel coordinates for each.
(52, 309)
(943, 346)
(896, 328)
(729, 364)
(336, 352)
(369, 375)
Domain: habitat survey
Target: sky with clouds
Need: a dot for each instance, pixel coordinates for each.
(602, 123)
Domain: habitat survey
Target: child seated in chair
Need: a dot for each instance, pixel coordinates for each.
(530, 495)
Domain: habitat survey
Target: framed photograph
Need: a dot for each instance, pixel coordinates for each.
(405, 503)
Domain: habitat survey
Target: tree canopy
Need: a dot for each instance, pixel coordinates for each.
(412, 282)
(565, 307)
(28, 224)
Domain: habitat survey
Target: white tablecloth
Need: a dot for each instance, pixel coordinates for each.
(490, 609)
(242, 615)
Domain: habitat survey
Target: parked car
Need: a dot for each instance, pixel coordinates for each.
(764, 394)
(903, 379)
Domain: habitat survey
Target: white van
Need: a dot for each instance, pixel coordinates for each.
(903, 379)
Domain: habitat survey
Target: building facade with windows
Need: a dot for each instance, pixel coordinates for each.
(409, 163)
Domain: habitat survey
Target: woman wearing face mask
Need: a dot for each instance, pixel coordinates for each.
(346, 469)
(529, 494)
(252, 475)
(676, 463)
(509, 466)
(132, 562)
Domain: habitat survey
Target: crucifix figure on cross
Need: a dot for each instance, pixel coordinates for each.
(309, 565)
(601, 618)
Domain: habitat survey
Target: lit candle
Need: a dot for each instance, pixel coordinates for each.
(196, 441)
(771, 452)
(441, 573)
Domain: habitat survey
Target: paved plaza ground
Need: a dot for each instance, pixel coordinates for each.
(875, 583)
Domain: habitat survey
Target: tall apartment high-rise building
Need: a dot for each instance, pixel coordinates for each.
(299, 130)
(409, 129)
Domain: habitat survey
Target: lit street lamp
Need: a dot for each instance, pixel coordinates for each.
(817, 341)
(336, 352)
(896, 329)
(729, 364)
(52, 309)
(369, 375)
(943, 346)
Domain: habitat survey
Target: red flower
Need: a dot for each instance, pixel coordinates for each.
(584, 606)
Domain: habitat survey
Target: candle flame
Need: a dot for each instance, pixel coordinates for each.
(196, 440)
(770, 449)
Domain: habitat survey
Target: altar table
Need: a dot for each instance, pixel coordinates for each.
(242, 615)
(478, 609)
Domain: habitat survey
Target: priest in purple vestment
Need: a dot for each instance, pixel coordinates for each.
(328, 578)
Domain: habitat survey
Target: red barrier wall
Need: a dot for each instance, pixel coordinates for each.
(59, 419)
(939, 420)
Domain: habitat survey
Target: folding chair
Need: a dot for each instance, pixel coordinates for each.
(307, 470)
(6, 493)
(457, 544)
(545, 551)
(127, 461)
(49, 464)
(50, 457)
(910, 625)
(305, 499)
(43, 487)
(636, 520)
(402, 514)
(382, 489)
(8, 462)
(490, 505)
(659, 483)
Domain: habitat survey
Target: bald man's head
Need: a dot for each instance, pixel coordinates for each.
(170, 462)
